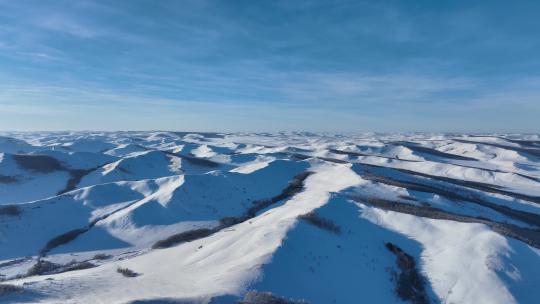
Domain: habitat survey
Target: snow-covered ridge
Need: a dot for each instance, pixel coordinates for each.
(122, 217)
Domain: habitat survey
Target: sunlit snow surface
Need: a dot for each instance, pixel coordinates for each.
(464, 207)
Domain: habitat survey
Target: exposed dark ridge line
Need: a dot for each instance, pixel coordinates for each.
(526, 217)
(526, 235)
(332, 160)
(418, 148)
(527, 143)
(336, 151)
(522, 142)
(294, 187)
(457, 194)
(495, 170)
(468, 184)
(440, 161)
(204, 134)
(525, 151)
(535, 179)
(303, 157)
(299, 156)
(190, 158)
(410, 284)
(194, 160)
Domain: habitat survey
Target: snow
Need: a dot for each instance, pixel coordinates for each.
(227, 261)
(461, 260)
(125, 191)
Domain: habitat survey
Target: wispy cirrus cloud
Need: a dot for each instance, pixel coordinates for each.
(211, 58)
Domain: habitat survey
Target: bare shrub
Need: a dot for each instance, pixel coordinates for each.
(292, 189)
(229, 221)
(323, 223)
(62, 239)
(77, 266)
(43, 267)
(6, 289)
(10, 210)
(410, 285)
(102, 256)
(186, 236)
(5, 179)
(128, 273)
(257, 297)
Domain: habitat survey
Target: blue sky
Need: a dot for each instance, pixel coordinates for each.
(270, 65)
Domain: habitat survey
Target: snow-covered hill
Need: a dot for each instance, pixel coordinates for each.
(171, 217)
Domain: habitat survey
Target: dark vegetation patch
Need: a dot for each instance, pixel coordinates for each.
(198, 161)
(257, 297)
(183, 237)
(7, 289)
(292, 188)
(62, 239)
(314, 219)
(535, 152)
(349, 153)
(524, 143)
(165, 301)
(75, 177)
(77, 266)
(204, 134)
(14, 262)
(420, 149)
(73, 234)
(6, 179)
(333, 160)
(43, 267)
(418, 173)
(475, 185)
(526, 235)
(10, 210)
(126, 272)
(410, 285)
(48, 164)
(229, 221)
(38, 163)
(123, 170)
(102, 256)
(298, 156)
(449, 188)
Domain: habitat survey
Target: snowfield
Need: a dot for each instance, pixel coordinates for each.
(179, 217)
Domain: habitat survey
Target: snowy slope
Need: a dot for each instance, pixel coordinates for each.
(178, 217)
